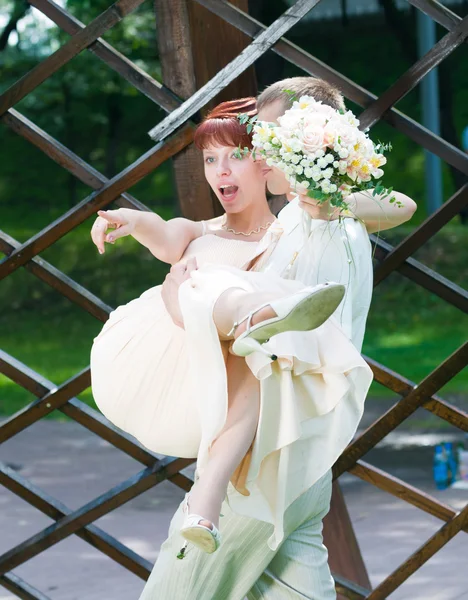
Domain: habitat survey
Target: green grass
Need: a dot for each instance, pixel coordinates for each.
(409, 330)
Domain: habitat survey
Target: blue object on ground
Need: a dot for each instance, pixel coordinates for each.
(440, 468)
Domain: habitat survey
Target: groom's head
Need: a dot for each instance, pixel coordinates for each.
(275, 100)
(278, 97)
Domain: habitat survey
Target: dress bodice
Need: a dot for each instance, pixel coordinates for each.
(213, 249)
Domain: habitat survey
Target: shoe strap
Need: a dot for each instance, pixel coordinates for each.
(194, 521)
(249, 317)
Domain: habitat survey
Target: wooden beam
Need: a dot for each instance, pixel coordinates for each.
(97, 200)
(185, 31)
(81, 40)
(362, 97)
(175, 53)
(345, 557)
(93, 535)
(225, 43)
(231, 71)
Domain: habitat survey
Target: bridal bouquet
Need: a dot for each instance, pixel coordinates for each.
(322, 152)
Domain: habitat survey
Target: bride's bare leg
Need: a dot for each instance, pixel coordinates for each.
(231, 445)
(235, 303)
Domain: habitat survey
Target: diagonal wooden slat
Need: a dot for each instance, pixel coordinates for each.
(87, 207)
(448, 412)
(59, 281)
(63, 156)
(40, 386)
(74, 46)
(403, 409)
(399, 384)
(421, 556)
(97, 508)
(84, 415)
(20, 588)
(426, 230)
(349, 589)
(289, 51)
(415, 73)
(53, 399)
(91, 534)
(237, 66)
(142, 81)
(425, 277)
(404, 491)
(437, 11)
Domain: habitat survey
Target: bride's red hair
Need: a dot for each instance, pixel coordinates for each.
(222, 127)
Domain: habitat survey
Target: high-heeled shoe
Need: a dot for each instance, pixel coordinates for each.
(201, 536)
(302, 311)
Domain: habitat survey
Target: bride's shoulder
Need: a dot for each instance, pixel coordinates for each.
(213, 225)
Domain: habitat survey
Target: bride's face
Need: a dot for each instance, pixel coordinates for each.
(237, 180)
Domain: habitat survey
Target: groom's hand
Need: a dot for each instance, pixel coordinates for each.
(170, 289)
(318, 210)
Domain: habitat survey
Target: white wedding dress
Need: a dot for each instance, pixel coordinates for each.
(167, 386)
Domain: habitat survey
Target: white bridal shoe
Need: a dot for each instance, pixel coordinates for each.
(302, 311)
(201, 536)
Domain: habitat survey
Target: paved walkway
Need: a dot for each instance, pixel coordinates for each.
(75, 466)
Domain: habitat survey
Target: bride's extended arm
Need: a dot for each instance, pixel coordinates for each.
(377, 212)
(166, 240)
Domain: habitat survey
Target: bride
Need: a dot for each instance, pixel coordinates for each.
(185, 390)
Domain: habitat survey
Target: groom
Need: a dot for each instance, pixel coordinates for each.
(244, 565)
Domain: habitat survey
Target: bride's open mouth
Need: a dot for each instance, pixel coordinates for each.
(228, 192)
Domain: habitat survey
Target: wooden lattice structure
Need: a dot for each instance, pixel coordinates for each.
(175, 134)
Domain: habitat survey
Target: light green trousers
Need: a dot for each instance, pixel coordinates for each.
(244, 565)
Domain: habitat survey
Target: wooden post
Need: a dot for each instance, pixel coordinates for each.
(215, 43)
(178, 75)
(194, 44)
(338, 535)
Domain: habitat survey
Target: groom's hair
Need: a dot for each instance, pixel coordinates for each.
(319, 89)
(222, 127)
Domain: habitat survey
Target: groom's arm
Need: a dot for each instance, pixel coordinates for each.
(376, 212)
(379, 212)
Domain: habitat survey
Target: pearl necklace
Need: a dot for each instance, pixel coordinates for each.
(259, 228)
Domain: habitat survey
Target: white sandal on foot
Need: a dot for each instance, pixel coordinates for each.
(303, 311)
(201, 536)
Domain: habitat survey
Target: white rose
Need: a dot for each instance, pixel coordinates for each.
(319, 153)
(295, 158)
(329, 158)
(299, 170)
(308, 172)
(322, 163)
(336, 164)
(333, 188)
(317, 176)
(328, 173)
(343, 153)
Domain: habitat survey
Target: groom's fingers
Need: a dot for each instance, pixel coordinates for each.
(191, 266)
